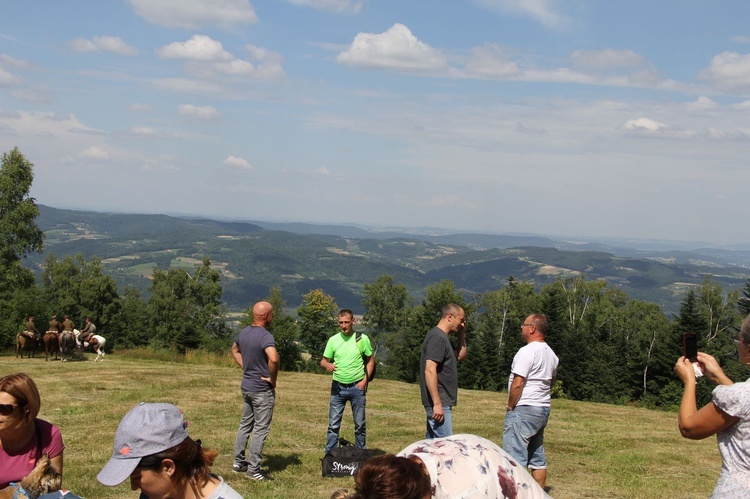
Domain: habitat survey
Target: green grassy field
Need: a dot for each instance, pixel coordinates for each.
(594, 450)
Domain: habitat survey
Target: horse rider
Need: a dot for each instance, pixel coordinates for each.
(54, 326)
(31, 330)
(88, 330)
(68, 324)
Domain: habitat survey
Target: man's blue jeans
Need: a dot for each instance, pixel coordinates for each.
(257, 413)
(523, 435)
(340, 394)
(441, 429)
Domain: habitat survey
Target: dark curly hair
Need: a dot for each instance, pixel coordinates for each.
(389, 477)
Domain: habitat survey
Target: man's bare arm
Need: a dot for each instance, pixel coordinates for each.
(236, 354)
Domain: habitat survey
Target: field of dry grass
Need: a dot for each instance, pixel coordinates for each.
(594, 450)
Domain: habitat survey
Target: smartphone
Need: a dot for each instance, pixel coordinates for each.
(690, 346)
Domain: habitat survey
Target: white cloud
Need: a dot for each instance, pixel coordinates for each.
(729, 71)
(719, 135)
(238, 162)
(113, 44)
(702, 103)
(354, 6)
(267, 63)
(65, 127)
(644, 125)
(740, 39)
(142, 130)
(236, 67)
(189, 86)
(323, 171)
(396, 49)
(7, 60)
(491, 61)
(193, 14)
(82, 45)
(606, 59)
(198, 48)
(207, 59)
(542, 11)
(199, 112)
(94, 152)
(7, 79)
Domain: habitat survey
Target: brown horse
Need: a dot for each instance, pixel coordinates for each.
(51, 344)
(26, 344)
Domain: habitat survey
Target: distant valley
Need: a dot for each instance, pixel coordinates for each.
(340, 259)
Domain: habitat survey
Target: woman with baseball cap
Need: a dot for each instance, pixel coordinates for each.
(153, 449)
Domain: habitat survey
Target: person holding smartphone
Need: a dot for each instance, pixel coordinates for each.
(727, 416)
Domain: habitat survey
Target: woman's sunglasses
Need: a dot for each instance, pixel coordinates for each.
(7, 409)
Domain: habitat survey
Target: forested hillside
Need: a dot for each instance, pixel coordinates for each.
(251, 259)
(164, 283)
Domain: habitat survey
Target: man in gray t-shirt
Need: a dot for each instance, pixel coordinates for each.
(438, 374)
(254, 350)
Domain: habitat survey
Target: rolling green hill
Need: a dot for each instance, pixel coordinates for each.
(251, 258)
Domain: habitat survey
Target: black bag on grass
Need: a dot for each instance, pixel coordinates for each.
(343, 460)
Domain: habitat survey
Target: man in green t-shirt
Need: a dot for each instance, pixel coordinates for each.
(352, 363)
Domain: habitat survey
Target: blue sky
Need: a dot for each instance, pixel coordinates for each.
(570, 118)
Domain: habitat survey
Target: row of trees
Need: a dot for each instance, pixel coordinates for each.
(611, 348)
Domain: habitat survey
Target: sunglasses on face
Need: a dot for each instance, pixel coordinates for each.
(7, 409)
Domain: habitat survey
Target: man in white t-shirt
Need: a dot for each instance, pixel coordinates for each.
(531, 377)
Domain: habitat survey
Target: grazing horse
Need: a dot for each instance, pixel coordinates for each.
(26, 344)
(67, 344)
(95, 341)
(51, 344)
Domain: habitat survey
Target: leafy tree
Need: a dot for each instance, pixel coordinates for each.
(80, 289)
(98, 297)
(317, 314)
(132, 321)
(183, 308)
(386, 306)
(743, 302)
(19, 299)
(647, 350)
(405, 348)
(717, 308)
(689, 320)
(19, 235)
(579, 294)
(205, 292)
(497, 339)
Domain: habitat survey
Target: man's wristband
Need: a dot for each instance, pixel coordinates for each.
(509, 408)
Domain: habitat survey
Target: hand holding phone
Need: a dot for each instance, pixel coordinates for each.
(690, 346)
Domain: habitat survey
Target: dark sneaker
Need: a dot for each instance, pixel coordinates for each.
(239, 468)
(260, 476)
